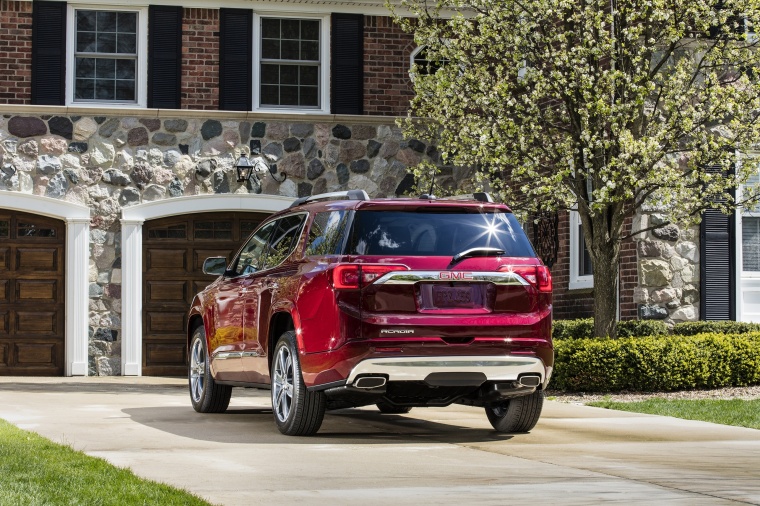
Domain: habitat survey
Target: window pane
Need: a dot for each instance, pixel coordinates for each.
(442, 234)
(86, 20)
(750, 243)
(106, 43)
(310, 50)
(288, 74)
(86, 42)
(270, 95)
(125, 69)
(270, 49)
(85, 67)
(270, 74)
(104, 89)
(127, 22)
(251, 256)
(283, 240)
(126, 43)
(310, 30)
(105, 69)
(106, 21)
(309, 96)
(309, 75)
(290, 50)
(270, 28)
(5, 229)
(290, 28)
(85, 89)
(288, 95)
(584, 259)
(32, 230)
(125, 90)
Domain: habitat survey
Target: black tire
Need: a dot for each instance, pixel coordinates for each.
(205, 394)
(516, 415)
(297, 412)
(390, 409)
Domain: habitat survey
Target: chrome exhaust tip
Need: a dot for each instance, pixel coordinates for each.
(529, 380)
(369, 382)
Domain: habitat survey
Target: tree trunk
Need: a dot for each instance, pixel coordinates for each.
(605, 261)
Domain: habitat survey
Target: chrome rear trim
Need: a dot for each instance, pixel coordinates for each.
(418, 368)
(411, 277)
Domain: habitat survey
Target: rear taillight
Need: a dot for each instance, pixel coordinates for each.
(537, 275)
(354, 276)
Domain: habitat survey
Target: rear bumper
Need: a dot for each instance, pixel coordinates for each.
(504, 368)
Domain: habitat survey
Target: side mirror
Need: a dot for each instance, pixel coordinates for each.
(215, 266)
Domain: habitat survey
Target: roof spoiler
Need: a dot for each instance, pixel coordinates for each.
(346, 195)
(479, 196)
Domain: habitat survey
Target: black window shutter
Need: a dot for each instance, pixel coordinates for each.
(235, 59)
(164, 57)
(347, 65)
(48, 53)
(717, 237)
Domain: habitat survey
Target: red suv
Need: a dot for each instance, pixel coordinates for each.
(342, 301)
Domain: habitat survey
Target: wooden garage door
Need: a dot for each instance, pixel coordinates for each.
(32, 295)
(173, 253)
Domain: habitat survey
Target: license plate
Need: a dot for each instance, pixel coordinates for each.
(452, 296)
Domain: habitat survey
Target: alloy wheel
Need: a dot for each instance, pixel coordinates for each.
(282, 384)
(197, 370)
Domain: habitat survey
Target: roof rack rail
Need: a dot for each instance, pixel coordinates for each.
(479, 196)
(346, 195)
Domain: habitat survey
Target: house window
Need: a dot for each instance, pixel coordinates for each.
(751, 243)
(108, 61)
(291, 68)
(581, 272)
(425, 66)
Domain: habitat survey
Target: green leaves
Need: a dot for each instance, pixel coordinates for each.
(544, 94)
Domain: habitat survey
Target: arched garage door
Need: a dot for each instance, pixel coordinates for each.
(32, 294)
(174, 249)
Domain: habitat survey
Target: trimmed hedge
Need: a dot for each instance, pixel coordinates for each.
(657, 363)
(724, 327)
(583, 328)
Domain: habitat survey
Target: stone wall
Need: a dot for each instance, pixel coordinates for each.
(110, 162)
(668, 271)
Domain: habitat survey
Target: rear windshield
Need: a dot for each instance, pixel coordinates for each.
(408, 233)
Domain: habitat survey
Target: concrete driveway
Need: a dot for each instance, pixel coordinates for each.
(575, 455)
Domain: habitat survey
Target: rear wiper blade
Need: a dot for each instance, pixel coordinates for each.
(476, 252)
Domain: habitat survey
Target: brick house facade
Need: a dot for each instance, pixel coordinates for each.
(137, 157)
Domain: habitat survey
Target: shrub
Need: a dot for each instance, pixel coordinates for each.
(657, 363)
(723, 327)
(584, 328)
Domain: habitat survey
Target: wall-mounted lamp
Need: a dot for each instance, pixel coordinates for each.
(255, 168)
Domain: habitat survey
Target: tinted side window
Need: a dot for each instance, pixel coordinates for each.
(440, 233)
(284, 239)
(251, 256)
(326, 233)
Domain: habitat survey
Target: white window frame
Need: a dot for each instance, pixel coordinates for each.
(141, 76)
(577, 282)
(324, 63)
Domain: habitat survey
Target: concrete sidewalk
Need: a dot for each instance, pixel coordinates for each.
(575, 455)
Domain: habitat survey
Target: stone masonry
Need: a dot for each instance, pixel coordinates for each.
(109, 163)
(668, 271)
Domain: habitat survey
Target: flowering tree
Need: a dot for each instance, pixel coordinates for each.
(604, 106)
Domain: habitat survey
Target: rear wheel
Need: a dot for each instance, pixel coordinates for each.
(390, 409)
(519, 414)
(297, 412)
(205, 394)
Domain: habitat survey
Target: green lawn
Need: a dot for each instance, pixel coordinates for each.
(727, 412)
(36, 471)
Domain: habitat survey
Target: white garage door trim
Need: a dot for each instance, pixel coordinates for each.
(77, 218)
(132, 219)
